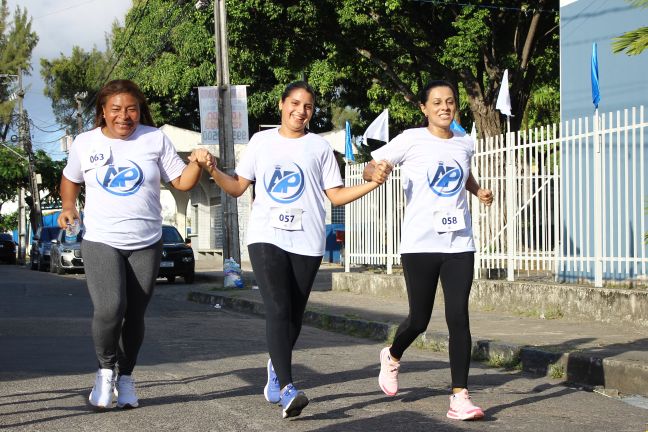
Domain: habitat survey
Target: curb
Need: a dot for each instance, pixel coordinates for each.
(578, 368)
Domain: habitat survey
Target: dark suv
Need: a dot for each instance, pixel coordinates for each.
(7, 248)
(39, 254)
(177, 256)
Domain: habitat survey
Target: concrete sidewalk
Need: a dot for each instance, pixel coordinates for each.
(608, 357)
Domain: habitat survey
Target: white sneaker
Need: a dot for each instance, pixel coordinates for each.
(101, 395)
(125, 392)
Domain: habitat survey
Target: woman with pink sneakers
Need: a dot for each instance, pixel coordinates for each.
(437, 241)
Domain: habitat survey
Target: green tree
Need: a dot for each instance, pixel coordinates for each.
(9, 222)
(398, 46)
(13, 172)
(17, 41)
(364, 54)
(64, 77)
(50, 172)
(634, 41)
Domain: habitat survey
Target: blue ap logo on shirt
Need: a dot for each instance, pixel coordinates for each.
(124, 178)
(446, 179)
(285, 184)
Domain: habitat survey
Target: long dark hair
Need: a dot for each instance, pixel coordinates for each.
(424, 94)
(114, 87)
(297, 85)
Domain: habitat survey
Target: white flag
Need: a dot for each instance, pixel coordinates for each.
(378, 129)
(504, 98)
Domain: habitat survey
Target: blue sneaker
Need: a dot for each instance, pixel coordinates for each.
(293, 401)
(271, 391)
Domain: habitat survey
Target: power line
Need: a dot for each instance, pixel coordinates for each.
(112, 68)
(156, 51)
(47, 131)
(490, 6)
(164, 39)
(64, 9)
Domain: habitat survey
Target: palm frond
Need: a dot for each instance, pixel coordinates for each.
(632, 42)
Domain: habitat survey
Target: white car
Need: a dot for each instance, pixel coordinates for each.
(65, 256)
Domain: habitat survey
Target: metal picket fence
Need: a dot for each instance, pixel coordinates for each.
(570, 204)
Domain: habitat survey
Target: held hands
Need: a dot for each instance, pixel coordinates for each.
(202, 157)
(485, 196)
(381, 172)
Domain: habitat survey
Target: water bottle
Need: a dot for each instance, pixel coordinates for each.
(71, 231)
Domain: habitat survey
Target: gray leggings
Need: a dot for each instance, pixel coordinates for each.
(121, 284)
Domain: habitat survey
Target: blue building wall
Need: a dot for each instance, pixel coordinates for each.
(623, 78)
(623, 84)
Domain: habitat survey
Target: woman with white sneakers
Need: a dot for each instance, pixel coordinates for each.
(121, 162)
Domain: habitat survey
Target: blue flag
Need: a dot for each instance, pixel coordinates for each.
(456, 127)
(596, 93)
(348, 148)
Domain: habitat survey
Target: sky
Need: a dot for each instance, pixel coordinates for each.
(60, 25)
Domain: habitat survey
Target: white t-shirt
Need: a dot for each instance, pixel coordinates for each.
(291, 176)
(122, 178)
(434, 173)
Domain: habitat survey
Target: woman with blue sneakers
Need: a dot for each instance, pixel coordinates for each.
(293, 169)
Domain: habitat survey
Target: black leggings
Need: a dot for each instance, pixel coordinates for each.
(422, 272)
(285, 280)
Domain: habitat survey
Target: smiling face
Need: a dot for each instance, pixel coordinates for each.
(440, 108)
(122, 114)
(296, 111)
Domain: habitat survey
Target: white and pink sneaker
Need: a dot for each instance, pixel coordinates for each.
(388, 378)
(462, 408)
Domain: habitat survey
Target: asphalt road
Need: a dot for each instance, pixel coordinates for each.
(202, 369)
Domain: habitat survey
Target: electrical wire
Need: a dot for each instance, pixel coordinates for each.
(47, 131)
(163, 40)
(490, 6)
(139, 18)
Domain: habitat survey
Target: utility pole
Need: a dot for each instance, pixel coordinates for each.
(22, 235)
(79, 96)
(231, 245)
(25, 139)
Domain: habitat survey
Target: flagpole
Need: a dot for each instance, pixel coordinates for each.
(510, 204)
(598, 170)
(598, 204)
(390, 215)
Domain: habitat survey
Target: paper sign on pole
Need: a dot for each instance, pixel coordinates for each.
(238, 96)
(208, 104)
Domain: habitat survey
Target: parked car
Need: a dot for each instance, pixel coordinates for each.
(7, 249)
(65, 255)
(39, 254)
(177, 256)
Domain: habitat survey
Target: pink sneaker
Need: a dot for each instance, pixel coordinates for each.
(462, 408)
(388, 378)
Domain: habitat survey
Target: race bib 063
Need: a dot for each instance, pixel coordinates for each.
(95, 157)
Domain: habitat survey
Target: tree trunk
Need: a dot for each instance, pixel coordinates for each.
(487, 118)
